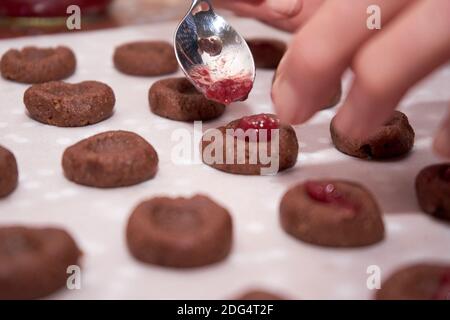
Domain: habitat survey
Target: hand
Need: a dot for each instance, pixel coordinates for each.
(288, 15)
(413, 41)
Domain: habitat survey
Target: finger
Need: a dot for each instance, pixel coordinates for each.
(442, 141)
(310, 73)
(407, 50)
(291, 24)
(263, 9)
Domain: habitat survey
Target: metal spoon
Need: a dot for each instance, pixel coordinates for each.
(214, 57)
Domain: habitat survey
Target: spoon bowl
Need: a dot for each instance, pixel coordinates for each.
(213, 56)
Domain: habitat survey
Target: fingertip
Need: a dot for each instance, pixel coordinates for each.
(289, 101)
(283, 98)
(349, 124)
(287, 8)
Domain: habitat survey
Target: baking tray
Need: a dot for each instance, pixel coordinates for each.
(263, 255)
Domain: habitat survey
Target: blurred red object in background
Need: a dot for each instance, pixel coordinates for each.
(50, 8)
(33, 17)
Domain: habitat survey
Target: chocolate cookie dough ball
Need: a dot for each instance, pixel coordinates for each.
(110, 159)
(259, 295)
(267, 53)
(433, 190)
(180, 232)
(417, 282)
(395, 138)
(70, 105)
(178, 99)
(8, 172)
(145, 58)
(38, 65)
(34, 261)
(253, 145)
(332, 213)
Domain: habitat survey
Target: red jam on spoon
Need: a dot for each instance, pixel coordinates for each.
(258, 123)
(443, 289)
(229, 90)
(328, 193)
(226, 91)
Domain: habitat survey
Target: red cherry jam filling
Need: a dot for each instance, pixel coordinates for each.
(259, 123)
(443, 289)
(327, 193)
(226, 91)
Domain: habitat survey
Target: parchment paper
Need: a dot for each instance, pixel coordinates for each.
(263, 256)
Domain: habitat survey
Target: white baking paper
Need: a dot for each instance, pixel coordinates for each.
(263, 256)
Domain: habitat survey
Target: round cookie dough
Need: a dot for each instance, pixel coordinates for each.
(395, 138)
(70, 105)
(180, 232)
(34, 261)
(417, 282)
(332, 213)
(38, 65)
(8, 172)
(145, 58)
(267, 53)
(226, 153)
(110, 159)
(259, 295)
(178, 99)
(433, 190)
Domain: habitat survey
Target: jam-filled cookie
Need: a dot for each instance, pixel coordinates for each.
(253, 145)
(417, 282)
(332, 213)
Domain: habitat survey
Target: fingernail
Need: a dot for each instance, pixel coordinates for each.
(442, 142)
(284, 97)
(286, 7)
